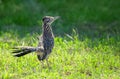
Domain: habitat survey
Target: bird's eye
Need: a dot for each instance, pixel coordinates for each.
(43, 19)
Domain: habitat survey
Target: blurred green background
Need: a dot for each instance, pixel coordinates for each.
(87, 42)
(88, 17)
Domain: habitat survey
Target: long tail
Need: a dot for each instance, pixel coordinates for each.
(21, 51)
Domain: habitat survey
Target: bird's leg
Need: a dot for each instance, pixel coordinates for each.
(42, 64)
(47, 61)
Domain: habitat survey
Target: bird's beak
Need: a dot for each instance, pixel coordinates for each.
(56, 17)
(53, 19)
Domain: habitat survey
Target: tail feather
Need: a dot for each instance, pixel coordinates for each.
(18, 50)
(21, 51)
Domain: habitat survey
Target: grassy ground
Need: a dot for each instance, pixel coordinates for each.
(71, 58)
(90, 52)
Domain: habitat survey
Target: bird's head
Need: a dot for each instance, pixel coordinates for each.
(49, 19)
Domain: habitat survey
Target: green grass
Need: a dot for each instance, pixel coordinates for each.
(91, 51)
(71, 58)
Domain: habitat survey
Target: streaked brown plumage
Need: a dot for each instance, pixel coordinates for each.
(46, 41)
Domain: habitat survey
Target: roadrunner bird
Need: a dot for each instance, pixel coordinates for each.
(46, 41)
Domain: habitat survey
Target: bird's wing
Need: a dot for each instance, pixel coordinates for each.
(40, 44)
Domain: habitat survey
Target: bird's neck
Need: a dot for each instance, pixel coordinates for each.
(47, 30)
